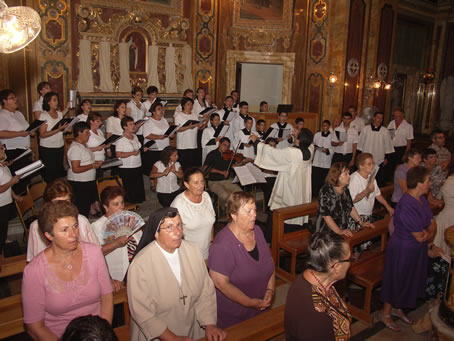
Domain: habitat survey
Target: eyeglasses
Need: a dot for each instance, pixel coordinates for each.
(171, 228)
(352, 259)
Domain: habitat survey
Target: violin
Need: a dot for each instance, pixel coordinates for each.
(230, 155)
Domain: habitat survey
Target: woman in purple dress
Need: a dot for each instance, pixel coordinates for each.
(241, 265)
(406, 262)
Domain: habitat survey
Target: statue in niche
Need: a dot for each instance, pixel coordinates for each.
(137, 52)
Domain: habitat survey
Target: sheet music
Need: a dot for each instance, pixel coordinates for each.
(392, 132)
(249, 174)
(342, 136)
(28, 151)
(257, 172)
(73, 122)
(285, 133)
(111, 163)
(31, 168)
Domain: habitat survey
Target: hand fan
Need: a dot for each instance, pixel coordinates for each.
(123, 223)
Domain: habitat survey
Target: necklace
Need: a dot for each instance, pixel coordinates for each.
(319, 282)
(68, 266)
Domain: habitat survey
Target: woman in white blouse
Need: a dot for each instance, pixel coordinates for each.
(199, 101)
(187, 135)
(82, 170)
(153, 130)
(51, 143)
(113, 123)
(84, 110)
(96, 139)
(135, 109)
(167, 171)
(120, 251)
(128, 150)
(196, 210)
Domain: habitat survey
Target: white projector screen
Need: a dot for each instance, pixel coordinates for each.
(261, 82)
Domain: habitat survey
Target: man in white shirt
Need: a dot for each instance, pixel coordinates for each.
(345, 140)
(357, 122)
(375, 139)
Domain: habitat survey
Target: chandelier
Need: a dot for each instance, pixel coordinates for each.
(19, 26)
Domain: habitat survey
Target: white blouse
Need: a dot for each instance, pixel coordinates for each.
(113, 126)
(156, 127)
(56, 140)
(186, 139)
(14, 121)
(136, 113)
(168, 183)
(82, 117)
(78, 151)
(117, 261)
(402, 134)
(126, 145)
(198, 220)
(95, 140)
(5, 177)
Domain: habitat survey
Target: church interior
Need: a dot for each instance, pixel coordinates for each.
(320, 56)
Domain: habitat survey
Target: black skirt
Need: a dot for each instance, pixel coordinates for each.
(149, 159)
(133, 184)
(85, 193)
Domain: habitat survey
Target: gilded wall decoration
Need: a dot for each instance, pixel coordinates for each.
(169, 7)
(315, 86)
(53, 56)
(204, 52)
(319, 33)
(262, 25)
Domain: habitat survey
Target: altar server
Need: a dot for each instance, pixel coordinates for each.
(322, 157)
(285, 129)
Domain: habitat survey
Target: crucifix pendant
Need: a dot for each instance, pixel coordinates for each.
(183, 298)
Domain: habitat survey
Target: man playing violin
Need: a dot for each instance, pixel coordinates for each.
(218, 164)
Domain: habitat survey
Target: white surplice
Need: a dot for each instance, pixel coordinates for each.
(293, 182)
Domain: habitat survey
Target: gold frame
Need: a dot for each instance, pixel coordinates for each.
(284, 24)
(282, 58)
(175, 7)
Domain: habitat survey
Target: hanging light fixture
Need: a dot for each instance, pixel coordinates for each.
(19, 26)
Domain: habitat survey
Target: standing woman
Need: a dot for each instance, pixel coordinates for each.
(406, 260)
(134, 108)
(51, 143)
(113, 123)
(96, 139)
(187, 136)
(84, 111)
(128, 150)
(153, 129)
(199, 101)
(413, 159)
(6, 196)
(196, 210)
(167, 171)
(82, 170)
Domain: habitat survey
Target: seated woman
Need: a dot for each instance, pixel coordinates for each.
(364, 193)
(82, 170)
(67, 280)
(170, 295)
(413, 159)
(335, 205)
(120, 251)
(196, 210)
(55, 191)
(314, 310)
(167, 171)
(406, 260)
(241, 265)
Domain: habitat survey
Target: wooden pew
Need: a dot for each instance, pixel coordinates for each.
(293, 242)
(11, 313)
(260, 328)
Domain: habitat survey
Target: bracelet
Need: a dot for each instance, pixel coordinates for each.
(269, 290)
(431, 246)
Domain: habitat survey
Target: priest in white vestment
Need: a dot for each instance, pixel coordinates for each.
(294, 167)
(170, 293)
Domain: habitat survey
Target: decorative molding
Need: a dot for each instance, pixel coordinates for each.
(174, 7)
(286, 59)
(319, 31)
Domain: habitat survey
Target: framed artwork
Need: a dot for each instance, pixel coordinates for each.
(171, 7)
(265, 14)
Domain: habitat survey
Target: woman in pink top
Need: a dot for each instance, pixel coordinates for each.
(69, 279)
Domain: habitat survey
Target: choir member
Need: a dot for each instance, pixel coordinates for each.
(128, 150)
(113, 123)
(153, 130)
(264, 106)
(283, 126)
(375, 139)
(236, 100)
(261, 127)
(43, 88)
(237, 123)
(226, 115)
(189, 93)
(357, 122)
(152, 93)
(84, 110)
(51, 142)
(345, 150)
(97, 138)
(246, 139)
(135, 109)
(199, 101)
(187, 135)
(299, 124)
(208, 136)
(209, 101)
(322, 157)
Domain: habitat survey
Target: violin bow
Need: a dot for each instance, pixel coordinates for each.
(233, 156)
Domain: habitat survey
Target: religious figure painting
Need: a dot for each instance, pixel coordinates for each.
(262, 9)
(263, 14)
(137, 52)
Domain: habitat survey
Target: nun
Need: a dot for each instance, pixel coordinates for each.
(170, 293)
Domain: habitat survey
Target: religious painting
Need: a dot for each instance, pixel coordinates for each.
(138, 49)
(169, 7)
(263, 14)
